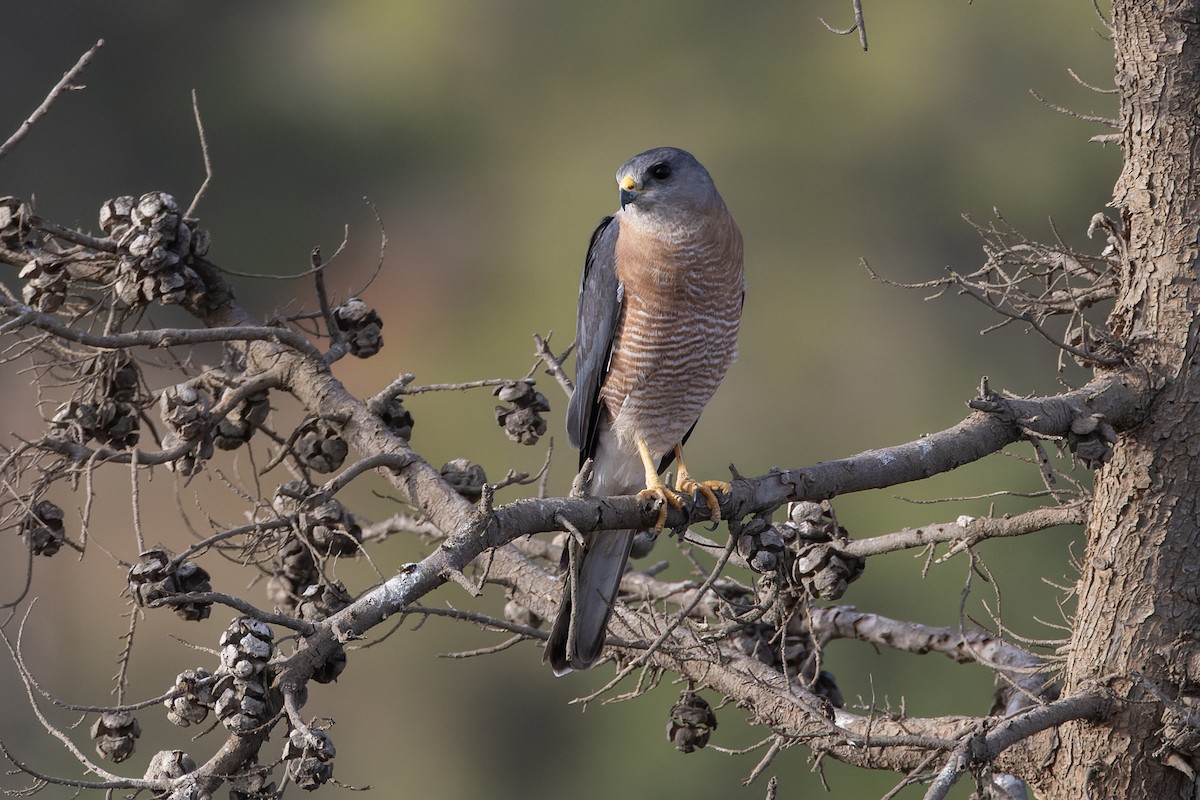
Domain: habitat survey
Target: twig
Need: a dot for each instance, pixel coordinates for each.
(859, 25)
(63, 85)
(1087, 85)
(208, 171)
(967, 533)
(23, 671)
(383, 243)
(554, 363)
(1109, 121)
(238, 604)
(979, 748)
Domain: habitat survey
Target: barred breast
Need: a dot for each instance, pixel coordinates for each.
(677, 335)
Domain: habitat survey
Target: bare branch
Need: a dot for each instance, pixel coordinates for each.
(968, 532)
(208, 171)
(66, 84)
(859, 25)
(983, 748)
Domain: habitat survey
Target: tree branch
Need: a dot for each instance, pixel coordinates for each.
(63, 85)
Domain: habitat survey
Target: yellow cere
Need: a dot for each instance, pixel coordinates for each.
(628, 183)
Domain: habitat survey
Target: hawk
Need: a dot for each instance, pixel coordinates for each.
(659, 307)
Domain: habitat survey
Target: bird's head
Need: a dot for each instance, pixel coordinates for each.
(666, 181)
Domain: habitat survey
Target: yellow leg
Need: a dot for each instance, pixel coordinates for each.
(684, 485)
(655, 488)
(706, 489)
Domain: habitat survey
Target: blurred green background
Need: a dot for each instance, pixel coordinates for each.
(487, 134)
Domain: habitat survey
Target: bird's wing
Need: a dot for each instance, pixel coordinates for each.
(600, 300)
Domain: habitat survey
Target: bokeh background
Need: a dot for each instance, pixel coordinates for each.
(486, 134)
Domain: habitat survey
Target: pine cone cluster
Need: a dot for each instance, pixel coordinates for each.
(395, 417)
(361, 327)
(156, 577)
(251, 783)
(309, 756)
(114, 733)
(155, 245)
(43, 529)
(805, 548)
(168, 765)
(1091, 439)
(297, 585)
(246, 648)
(818, 565)
(319, 446)
(108, 405)
(293, 571)
(16, 222)
(239, 425)
(522, 421)
(466, 477)
(45, 279)
(186, 410)
(691, 723)
(195, 697)
(762, 544)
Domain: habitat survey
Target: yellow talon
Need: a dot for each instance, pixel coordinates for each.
(667, 497)
(684, 485)
(707, 490)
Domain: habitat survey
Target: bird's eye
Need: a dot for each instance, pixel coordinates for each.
(660, 171)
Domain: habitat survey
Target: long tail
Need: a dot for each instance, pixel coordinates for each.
(591, 586)
(578, 633)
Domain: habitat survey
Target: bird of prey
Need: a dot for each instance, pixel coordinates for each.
(659, 309)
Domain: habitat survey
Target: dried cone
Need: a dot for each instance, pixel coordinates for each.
(45, 286)
(186, 409)
(43, 529)
(16, 222)
(167, 765)
(319, 601)
(332, 668)
(331, 529)
(522, 422)
(110, 413)
(115, 732)
(295, 570)
(246, 648)
(154, 578)
(320, 446)
(762, 545)
(397, 418)
(824, 571)
(195, 698)
(251, 783)
(692, 723)
(114, 215)
(155, 244)
(239, 425)
(309, 756)
(362, 327)
(818, 565)
(466, 477)
(1091, 439)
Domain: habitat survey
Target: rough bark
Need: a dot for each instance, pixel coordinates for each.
(1137, 616)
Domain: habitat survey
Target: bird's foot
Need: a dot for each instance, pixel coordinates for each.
(707, 490)
(666, 497)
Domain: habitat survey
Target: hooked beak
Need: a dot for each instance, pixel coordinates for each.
(629, 190)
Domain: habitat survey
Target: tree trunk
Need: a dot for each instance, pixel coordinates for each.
(1137, 620)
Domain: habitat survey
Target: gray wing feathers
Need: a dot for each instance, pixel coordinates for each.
(578, 633)
(599, 310)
